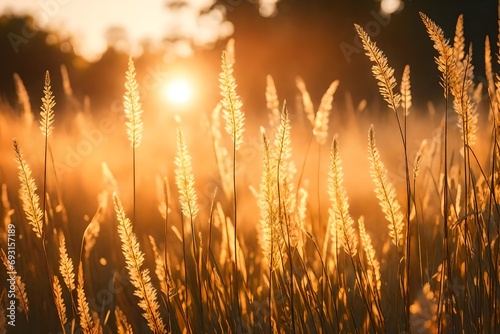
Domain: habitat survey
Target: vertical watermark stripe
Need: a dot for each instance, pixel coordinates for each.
(11, 272)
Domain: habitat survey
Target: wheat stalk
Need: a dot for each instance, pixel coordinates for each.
(161, 270)
(418, 159)
(322, 118)
(86, 322)
(269, 222)
(47, 108)
(122, 325)
(339, 215)
(381, 70)
(283, 144)
(221, 153)
(185, 183)
(306, 100)
(133, 111)
(60, 306)
(459, 40)
(385, 191)
(446, 58)
(66, 265)
(24, 100)
(272, 102)
(463, 103)
(374, 271)
(466, 95)
(231, 104)
(446, 66)
(287, 205)
(285, 194)
(28, 195)
(406, 90)
(488, 67)
(46, 121)
(132, 106)
(184, 178)
(140, 279)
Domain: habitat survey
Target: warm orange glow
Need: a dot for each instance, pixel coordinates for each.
(178, 91)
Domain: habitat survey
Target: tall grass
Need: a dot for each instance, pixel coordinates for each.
(133, 111)
(424, 259)
(235, 118)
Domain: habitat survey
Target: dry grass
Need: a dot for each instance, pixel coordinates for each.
(261, 235)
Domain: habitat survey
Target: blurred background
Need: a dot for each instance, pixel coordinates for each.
(172, 39)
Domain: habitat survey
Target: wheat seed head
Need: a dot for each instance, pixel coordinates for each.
(27, 193)
(132, 106)
(231, 103)
(47, 108)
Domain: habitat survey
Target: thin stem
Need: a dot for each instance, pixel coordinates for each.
(271, 282)
(133, 183)
(445, 270)
(44, 216)
(186, 296)
(236, 275)
(197, 259)
(47, 267)
(165, 253)
(406, 284)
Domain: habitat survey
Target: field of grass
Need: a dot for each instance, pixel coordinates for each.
(293, 223)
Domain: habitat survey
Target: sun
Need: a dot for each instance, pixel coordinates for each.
(178, 91)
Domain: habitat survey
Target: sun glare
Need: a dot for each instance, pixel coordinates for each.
(178, 91)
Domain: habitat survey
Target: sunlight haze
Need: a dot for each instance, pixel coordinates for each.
(88, 21)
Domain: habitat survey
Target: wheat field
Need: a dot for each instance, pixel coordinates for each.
(293, 224)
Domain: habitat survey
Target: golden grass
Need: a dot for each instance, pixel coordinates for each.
(343, 224)
(60, 306)
(122, 325)
(374, 275)
(24, 100)
(406, 90)
(270, 240)
(199, 261)
(28, 195)
(184, 178)
(322, 117)
(132, 106)
(381, 70)
(47, 108)
(139, 278)
(272, 102)
(231, 104)
(86, 322)
(446, 59)
(66, 265)
(385, 191)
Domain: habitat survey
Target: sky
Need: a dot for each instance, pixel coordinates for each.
(87, 21)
